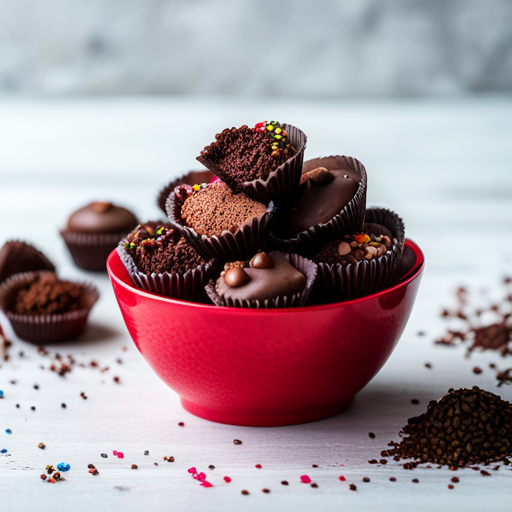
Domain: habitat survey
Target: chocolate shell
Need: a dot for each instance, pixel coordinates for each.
(349, 220)
(17, 256)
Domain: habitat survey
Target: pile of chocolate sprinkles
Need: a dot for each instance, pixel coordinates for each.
(465, 427)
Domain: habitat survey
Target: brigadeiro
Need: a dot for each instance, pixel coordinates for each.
(358, 264)
(44, 309)
(331, 200)
(94, 231)
(274, 280)
(218, 222)
(159, 260)
(17, 256)
(190, 178)
(264, 162)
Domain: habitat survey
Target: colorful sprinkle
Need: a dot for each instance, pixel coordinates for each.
(305, 479)
(1, 394)
(3, 450)
(8, 431)
(62, 466)
(342, 478)
(227, 479)
(258, 466)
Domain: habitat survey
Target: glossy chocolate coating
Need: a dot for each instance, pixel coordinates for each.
(318, 202)
(281, 280)
(102, 217)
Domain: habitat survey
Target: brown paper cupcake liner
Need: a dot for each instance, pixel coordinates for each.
(90, 250)
(337, 282)
(349, 220)
(240, 245)
(183, 286)
(190, 178)
(46, 328)
(307, 267)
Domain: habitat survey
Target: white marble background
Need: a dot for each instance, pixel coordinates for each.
(300, 48)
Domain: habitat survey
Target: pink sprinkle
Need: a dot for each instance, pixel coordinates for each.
(206, 484)
(305, 479)
(227, 479)
(192, 470)
(342, 478)
(114, 453)
(258, 466)
(200, 476)
(120, 455)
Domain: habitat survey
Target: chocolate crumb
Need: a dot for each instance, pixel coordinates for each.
(415, 401)
(314, 485)
(352, 487)
(245, 493)
(237, 441)
(63, 405)
(450, 486)
(104, 456)
(41, 445)
(392, 479)
(146, 452)
(455, 480)
(428, 365)
(314, 465)
(181, 424)
(211, 466)
(477, 370)
(366, 479)
(371, 435)
(266, 491)
(284, 482)
(415, 480)
(134, 466)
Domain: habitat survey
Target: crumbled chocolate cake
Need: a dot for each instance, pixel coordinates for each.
(216, 208)
(16, 256)
(352, 248)
(244, 154)
(46, 294)
(158, 248)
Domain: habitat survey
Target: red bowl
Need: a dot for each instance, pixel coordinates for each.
(266, 367)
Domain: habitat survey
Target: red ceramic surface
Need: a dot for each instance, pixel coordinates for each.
(266, 367)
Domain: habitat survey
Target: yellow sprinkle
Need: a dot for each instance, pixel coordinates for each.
(196, 187)
(278, 130)
(270, 127)
(278, 136)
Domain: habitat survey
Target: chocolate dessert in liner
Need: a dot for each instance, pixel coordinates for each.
(94, 231)
(45, 309)
(238, 240)
(159, 260)
(256, 162)
(333, 195)
(248, 273)
(338, 282)
(190, 178)
(17, 256)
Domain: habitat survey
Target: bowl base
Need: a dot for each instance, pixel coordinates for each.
(261, 420)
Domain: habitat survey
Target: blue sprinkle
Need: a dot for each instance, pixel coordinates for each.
(1, 394)
(8, 431)
(62, 466)
(3, 450)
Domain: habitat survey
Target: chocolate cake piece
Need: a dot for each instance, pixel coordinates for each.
(17, 256)
(158, 248)
(215, 208)
(244, 154)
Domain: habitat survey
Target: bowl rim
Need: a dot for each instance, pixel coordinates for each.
(408, 278)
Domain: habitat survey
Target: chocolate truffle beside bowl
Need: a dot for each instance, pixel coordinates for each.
(17, 256)
(218, 222)
(159, 260)
(93, 231)
(45, 309)
(330, 201)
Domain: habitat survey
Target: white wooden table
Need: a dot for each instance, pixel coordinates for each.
(445, 166)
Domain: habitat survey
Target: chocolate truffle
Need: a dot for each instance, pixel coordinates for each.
(264, 277)
(214, 208)
(102, 217)
(17, 256)
(44, 309)
(325, 190)
(157, 248)
(244, 154)
(94, 231)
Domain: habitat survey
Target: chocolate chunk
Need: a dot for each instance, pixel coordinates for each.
(236, 277)
(16, 257)
(262, 260)
(101, 217)
(319, 176)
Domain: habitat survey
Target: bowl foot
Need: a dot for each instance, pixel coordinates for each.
(263, 420)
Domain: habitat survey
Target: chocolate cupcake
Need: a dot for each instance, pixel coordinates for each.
(190, 178)
(264, 162)
(44, 309)
(94, 231)
(218, 222)
(362, 263)
(17, 256)
(274, 280)
(159, 260)
(331, 201)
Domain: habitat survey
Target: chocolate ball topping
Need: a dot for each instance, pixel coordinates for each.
(262, 260)
(236, 277)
